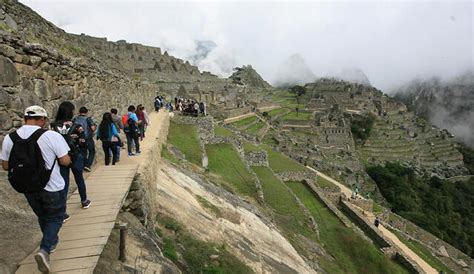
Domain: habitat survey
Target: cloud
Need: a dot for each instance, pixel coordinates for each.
(391, 42)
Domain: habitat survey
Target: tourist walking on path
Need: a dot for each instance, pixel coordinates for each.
(142, 121)
(32, 156)
(74, 136)
(89, 128)
(119, 126)
(109, 137)
(132, 131)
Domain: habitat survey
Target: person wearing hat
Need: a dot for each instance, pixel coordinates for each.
(48, 202)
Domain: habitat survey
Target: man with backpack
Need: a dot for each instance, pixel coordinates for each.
(32, 156)
(132, 131)
(89, 127)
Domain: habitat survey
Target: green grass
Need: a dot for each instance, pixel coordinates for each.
(208, 205)
(324, 183)
(167, 155)
(352, 253)
(377, 208)
(288, 213)
(255, 128)
(249, 147)
(277, 111)
(280, 163)
(222, 131)
(245, 122)
(302, 116)
(169, 249)
(185, 138)
(423, 252)
(196, 254)
(224, 161)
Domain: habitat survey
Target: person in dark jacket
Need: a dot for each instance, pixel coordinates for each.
(109, 136)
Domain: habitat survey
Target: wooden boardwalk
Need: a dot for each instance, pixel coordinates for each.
(83, 237)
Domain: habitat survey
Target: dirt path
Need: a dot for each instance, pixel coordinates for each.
(387, 233)
(344, 189)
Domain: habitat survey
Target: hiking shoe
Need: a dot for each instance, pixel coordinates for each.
(88, 169)
(42, 259)
(131, 154)
(86, 204)
(66, 218)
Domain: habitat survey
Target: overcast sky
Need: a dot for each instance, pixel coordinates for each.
(390, 41)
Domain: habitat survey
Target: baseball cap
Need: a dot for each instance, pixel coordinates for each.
(35, 111)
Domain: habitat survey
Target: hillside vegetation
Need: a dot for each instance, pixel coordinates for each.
(443, 208)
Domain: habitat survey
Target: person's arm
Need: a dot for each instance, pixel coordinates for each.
(60, 148)
(6, 149)
(114, 131)
(64, 161)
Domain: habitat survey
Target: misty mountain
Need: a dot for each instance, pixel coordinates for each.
(446, 104)
(202, 50)
(354, 75)
(294, 71)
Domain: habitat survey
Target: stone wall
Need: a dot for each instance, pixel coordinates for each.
(257, 158)
(433, 243)
(297, 176)
(375, 235)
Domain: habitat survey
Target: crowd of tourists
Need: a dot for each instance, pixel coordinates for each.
(190, 107)
(39, 159)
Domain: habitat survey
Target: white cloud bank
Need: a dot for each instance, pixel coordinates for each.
(391, 42)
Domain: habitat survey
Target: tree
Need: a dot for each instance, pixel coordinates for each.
(298, 91)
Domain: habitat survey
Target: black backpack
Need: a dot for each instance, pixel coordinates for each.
(27, 170)
(131, 128)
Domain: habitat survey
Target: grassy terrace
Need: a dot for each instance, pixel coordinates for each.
(424, 253)
(289, 215)
(185, 138)
(249, 147)
(303, 116)
(255, 128)
(222, 131)
(352, 253)
(224, 161)
(280, 163)
(278, 111)
(245, 122)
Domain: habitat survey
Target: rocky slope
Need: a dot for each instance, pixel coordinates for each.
(446, 104)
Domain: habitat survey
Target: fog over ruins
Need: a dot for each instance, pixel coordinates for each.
(390, 42)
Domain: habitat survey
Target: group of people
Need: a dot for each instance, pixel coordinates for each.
(39, 160)
(190, 107)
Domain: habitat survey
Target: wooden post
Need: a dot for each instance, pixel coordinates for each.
(123, 240)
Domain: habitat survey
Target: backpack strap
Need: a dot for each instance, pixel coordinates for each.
(33, 137)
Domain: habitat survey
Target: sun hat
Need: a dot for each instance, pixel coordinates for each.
(35, 111)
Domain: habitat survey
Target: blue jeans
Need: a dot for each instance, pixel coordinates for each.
(77, 170)
(50, 208)
(130, 140)
(89, 153)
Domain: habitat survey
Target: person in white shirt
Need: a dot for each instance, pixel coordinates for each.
(48, 204)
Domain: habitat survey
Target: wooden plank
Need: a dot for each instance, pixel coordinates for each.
(68, 254)
(78, 271)
(93, 213)
(84, 236)
(96, 226)
(99, 241)
(72, 235)
(63, 265)
(91, 220)
(73, 209)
